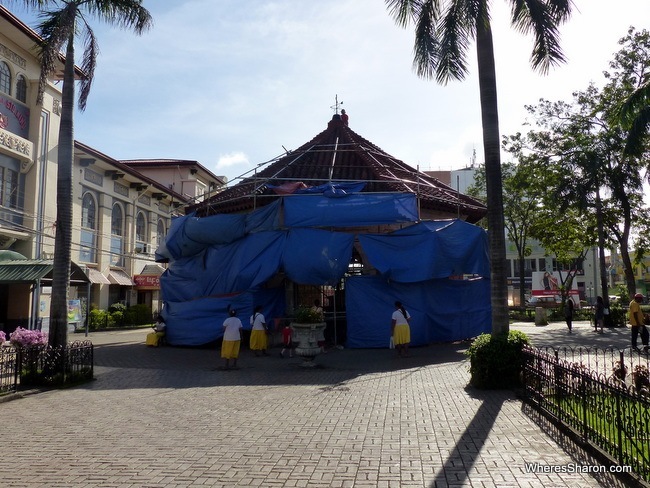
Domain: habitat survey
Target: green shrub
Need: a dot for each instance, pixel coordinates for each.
(138, 315)
(99, 319)
(495, 362)
(117, 317)
(117, 307)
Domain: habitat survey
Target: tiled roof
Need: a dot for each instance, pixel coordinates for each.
(340, 154)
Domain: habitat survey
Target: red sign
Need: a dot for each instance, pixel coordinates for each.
(146, 281)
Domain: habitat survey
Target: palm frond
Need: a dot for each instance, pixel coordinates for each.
(542, 19)
(56, 28)
(455, 30)
(403, 11)
(426, 47)
(636, 142)
(91, 50)
(126, 14)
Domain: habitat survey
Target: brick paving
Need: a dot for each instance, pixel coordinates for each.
(168, 417)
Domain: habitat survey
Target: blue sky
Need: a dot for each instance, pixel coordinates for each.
(232, 83)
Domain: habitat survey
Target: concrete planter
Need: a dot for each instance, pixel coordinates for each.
(307, 337)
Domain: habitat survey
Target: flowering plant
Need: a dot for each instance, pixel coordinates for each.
(26, 338)
(3, 336)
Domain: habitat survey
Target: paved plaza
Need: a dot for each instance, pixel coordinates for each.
(168, 417)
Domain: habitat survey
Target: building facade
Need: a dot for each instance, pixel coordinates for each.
(119, 214)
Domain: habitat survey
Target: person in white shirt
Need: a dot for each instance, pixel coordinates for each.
(259, 340)
(401, 330)
(231, 339)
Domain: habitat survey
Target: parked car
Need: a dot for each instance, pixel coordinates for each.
(544, 301)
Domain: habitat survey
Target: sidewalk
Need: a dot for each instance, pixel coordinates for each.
(166, 417)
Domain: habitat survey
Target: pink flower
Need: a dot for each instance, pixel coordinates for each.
(26, 338)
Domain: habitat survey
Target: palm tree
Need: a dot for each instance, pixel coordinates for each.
(444, 30)
(635, 116)
(59, 27)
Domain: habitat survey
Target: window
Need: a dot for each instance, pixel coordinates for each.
(5, 78)
(161, 231)
(21, 88)
(140, 234)
(88, 229)
(117, 235)
(8, 188)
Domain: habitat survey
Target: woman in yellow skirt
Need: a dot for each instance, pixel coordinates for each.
(401, 330)
(259, 339)
(231, 339)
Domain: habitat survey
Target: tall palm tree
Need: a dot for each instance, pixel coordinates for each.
(59, 27)
(444, 30)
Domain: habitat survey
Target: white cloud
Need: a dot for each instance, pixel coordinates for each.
(233, 159)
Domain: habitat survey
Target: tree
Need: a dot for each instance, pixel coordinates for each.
(59, 27)
(580, 151)
(520, 203)
(443, 31)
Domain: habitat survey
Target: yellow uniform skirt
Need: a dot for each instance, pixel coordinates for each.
(153, 338)
(401, 334)
(259, 340)
(230, 349)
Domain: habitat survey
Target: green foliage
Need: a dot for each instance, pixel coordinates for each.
(305, 315)
(138, 315)
(495, 361)
(618, 312)
(99, 319)
(117, 307)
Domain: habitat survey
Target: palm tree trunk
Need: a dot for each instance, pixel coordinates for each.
(493, 178)
(62, 244)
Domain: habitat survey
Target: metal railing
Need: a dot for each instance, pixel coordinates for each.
(601, 395)
(8, 370)
(45, 366)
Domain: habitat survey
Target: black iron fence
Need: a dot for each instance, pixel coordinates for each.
(45, 366)
(8, 370)
(601, 395)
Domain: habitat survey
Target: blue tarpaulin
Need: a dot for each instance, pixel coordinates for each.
(429, 250)
(441, 310)
(227, 260)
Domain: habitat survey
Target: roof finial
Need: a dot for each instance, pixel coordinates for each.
(336, 105)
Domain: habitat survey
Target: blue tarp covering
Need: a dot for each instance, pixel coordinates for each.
(198, 322)
(347, 211)
(441, 310)
(429, 250)
(317, 257)
(231, 259)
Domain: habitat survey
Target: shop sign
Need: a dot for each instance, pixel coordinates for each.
(146, 281)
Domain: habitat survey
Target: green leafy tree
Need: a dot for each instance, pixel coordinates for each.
(581, 155)
(444, 30)
(59, 29)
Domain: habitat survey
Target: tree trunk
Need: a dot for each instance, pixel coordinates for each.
(62, 244)
(493, 178)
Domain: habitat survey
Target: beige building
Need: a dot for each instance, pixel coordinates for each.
(119, 214)
(189, 178)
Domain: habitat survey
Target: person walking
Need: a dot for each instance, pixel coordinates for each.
(636, 322)
(568, 313)
(231, 343)
(400, 329)
(600, 314)
(259, 332)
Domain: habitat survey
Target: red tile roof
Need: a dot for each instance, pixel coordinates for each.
(340, 154)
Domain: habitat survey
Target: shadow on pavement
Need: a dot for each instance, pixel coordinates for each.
(134, 365)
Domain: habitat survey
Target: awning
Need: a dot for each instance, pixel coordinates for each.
(153, 270)
(96, 277)
(119, 277)
(31, 270)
